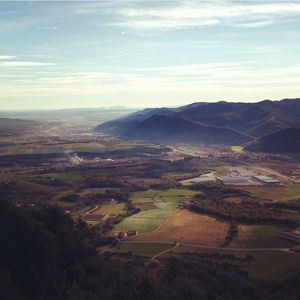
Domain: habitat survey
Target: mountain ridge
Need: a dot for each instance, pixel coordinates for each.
(225, 122)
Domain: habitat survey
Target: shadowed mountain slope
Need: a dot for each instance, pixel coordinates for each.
(283, 141)
(176, 129)
(208, 123)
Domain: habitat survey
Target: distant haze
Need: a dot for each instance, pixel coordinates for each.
(133, 53)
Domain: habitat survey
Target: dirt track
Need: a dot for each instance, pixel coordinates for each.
(210, 247)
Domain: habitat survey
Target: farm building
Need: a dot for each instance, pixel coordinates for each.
(266, 180)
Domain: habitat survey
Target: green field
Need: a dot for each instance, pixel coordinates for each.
(261, 232)
(219, 169)
(65, 176)
(27, 183)
(145, 248)
(110, 209)
(81, 211)
(75, 147)
(237, 149)
(279, 193)
(145, 221)
(63, 194)
(55, 149)
(126, 146)
(156, 207)
(158, 193)
(93, 223)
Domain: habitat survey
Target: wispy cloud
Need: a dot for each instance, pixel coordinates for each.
(196, 69)
(234, 73)
(12, 64)
(3, 57)
(257, 24)
(206, 13)
(165, 23)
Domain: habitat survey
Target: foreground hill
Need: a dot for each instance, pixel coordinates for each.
(208, 123)
(45, 255)
(283, 141)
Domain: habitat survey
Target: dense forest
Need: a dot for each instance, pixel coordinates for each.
(45, 255)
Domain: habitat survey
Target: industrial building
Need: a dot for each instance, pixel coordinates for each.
(265, 180)
(232, 180)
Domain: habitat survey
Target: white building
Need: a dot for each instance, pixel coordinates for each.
(266, 180)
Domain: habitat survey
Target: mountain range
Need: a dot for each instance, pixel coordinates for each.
(282, 141)
(227, 123)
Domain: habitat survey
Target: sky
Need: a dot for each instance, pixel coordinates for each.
(147, 53)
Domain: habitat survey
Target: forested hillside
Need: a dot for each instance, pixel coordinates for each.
(45, 255)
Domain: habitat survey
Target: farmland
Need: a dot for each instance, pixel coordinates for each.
(150, 249)
(110, 209)
(280, 193)
(66, 177)
(253, 236)
(156, 207)
(187, 227)
(237, 149)
(264, 264)
(146, 221)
